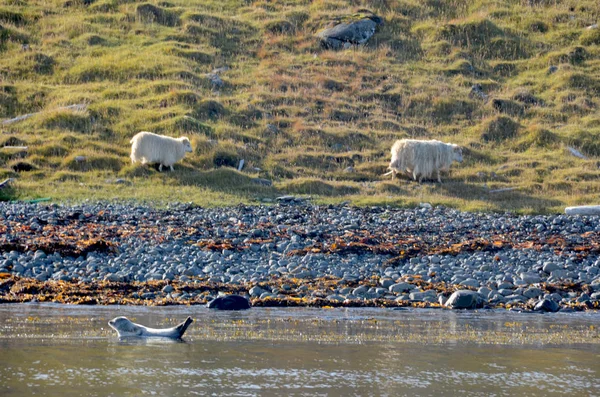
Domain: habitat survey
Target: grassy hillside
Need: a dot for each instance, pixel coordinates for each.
(299, 115)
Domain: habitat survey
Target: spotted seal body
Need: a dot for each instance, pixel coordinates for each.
(126, 328)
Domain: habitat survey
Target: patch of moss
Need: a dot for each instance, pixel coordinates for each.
(12, 17)
(149, 13)
(586, 141)
(93, 162)
(67, 120)
(50, 150)
(499, 129)
(536, 136)
(508, 107)
(225, 158)
(9, 102)
(484, 38)
(64, 176)
(280, 26)
(209, 110)
(590, 37)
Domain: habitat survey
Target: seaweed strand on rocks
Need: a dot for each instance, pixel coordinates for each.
(297, 255)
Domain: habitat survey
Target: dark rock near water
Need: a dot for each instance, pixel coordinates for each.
(546, 305)
(229, 302)
(463, 299)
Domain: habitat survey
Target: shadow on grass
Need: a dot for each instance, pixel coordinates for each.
(224, 179)
(510, 200)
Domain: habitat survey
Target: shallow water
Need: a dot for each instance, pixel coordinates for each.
(59, 350)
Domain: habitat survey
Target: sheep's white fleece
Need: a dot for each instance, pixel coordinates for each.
(420, 159)
(147, 147)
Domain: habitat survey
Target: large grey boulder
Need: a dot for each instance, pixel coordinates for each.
(351, 30)
(464, 299)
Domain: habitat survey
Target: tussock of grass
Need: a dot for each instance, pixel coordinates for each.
(93, 162)
(500, 129)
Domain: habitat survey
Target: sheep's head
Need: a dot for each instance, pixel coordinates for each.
(457, 150)
(186, 144)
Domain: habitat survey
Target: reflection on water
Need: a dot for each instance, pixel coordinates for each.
(52, 350)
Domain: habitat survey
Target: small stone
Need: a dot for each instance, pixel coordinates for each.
(549, 267)
(470, 282)
(386, 282)
(167, 289)
(530, 278)
(533, 292)
(256, 291)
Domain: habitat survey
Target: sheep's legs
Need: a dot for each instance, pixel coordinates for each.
(438, 175)
(160, 168)
(171, 168)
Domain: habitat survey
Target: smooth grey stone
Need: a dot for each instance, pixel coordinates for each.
(256, 291)
(386, 282)
(400, 287)
(583, 298)
(420, 296)
(266, 294)
(337, 298)
(470, 282)
(346, 34)
(484, 292)
(463, 299)
(549, 267)
(360, 290)
(112, 277)
(167, 289)
(530, 278)
(533, 292)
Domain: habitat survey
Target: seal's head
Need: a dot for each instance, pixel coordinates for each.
(124, 327)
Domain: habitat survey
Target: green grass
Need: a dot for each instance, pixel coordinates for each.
(299, 115)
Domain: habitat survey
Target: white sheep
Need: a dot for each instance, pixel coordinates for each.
(147, 147)
(420, 159)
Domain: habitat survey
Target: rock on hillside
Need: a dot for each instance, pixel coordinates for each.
(352, 30)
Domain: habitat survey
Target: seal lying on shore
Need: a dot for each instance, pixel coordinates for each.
(229, 302)
(126, 328)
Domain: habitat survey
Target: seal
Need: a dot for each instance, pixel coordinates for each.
(229, 302)
(126, 328)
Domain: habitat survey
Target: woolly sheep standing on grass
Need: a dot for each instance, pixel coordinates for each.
(420, 159)
(147, 147)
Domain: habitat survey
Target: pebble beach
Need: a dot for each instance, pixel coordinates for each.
(294, 253)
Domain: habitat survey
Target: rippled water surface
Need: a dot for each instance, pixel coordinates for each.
(53, 350)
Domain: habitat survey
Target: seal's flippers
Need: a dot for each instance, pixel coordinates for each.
(183, 326)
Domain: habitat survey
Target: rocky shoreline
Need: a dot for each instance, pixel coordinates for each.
(298, 254)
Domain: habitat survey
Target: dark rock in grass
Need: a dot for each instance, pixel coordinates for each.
(477, 92)
(546, 305)
(508, 107)
(464, 299)
(351, 30)
(22, 167)
(229, 302)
